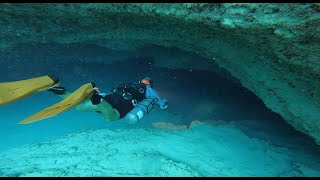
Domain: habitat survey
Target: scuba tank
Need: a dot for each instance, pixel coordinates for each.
(140, 110)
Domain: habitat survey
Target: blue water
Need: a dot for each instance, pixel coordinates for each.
(192, 95)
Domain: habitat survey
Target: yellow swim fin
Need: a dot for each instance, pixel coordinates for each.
(77, 97)
(15, 90)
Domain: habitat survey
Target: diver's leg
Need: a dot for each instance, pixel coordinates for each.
(107, 111)
(105, 108)
(85, 106)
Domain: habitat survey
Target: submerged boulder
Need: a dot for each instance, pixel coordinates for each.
(273, 49)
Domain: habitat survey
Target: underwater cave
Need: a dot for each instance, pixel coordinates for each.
(241, 82)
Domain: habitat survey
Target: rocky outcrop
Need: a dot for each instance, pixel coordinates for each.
(273, 49)
(204, 150)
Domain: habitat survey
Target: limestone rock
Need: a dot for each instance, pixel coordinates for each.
(273, 49)
(167, 125)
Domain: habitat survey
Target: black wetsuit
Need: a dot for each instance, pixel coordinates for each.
(119, 103)
(134, 93)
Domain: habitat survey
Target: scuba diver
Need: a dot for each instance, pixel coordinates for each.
(128, 101)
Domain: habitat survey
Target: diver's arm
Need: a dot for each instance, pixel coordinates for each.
(152, 94)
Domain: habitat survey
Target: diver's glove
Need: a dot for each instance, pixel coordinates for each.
(95, 98)
(165, 106)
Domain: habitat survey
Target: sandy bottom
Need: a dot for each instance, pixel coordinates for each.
(203, 149)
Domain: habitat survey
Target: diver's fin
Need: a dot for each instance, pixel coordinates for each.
(15, 90)
(74, 99)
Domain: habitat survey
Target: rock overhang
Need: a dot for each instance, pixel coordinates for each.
(273, 49)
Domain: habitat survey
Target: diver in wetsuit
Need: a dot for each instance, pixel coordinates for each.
(130, 101)
(120, 101)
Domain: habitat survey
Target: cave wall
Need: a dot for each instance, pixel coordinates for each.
(273, 49)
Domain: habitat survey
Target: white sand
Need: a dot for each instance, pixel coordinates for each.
(204, 150)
